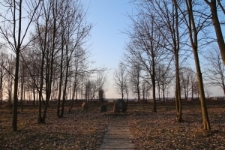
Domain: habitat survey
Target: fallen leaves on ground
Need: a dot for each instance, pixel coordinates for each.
(161, 131)
(81, 130)
(76, 130)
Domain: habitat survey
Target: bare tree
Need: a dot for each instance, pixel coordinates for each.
(78, 68)
(146, 46)
(22, 83)
(45, 41)
(134, 74)
(145, 88)
(215, 71)
(127, 89)
(188, 77)
(163, 78)
(7, 66)
(100, 83)
(13, 34)
(88, 90)
(3, 71)
(95, 86)
(76, 30)
(195, 22)
(194, 89)
(120, 79)
(169, 25)
(10, 77)
(217, 25)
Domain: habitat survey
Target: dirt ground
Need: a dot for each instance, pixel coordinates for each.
(85, 129)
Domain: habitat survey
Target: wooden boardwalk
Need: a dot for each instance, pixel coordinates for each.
(117, 137)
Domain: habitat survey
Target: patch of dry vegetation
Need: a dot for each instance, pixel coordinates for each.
(77, 130)
(83, 129)
(161, 131)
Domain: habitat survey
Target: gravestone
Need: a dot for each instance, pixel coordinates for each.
(85, 106)
(119, 106)
(103, 108)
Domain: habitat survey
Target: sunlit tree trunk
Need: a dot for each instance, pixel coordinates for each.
(193, 35)
(66, 79)
(40, 120)
(176, 48)
(74, 91)
(206, 123)
(1, 83)
(153, 84)
(61, 76)
(1, 77)
(17, 51)
(22, 86)
(15, 98)
(34, 96)
(217, 26)
(177, 91)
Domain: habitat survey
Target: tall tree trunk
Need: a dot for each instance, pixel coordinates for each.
(49, 83)
(164, 97)
(22, 88)
(159, 91)
(122, 92)
(153, 91)
(34, 98)
(217, 27)
(50, 63)
(73, 94)
(223, 89)
(60, 78)
(193, 35)
(153, 67)
(64, 99)
(178, 93)
(176, 49)
(15, 98)
(18, 46)
(205, 118)
(143, 94)
(138, 94)
(40, 120)
(66, 80)
(223, 84)
(24, 98)
(1, 90)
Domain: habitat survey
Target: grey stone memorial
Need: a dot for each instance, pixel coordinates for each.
(119, 106)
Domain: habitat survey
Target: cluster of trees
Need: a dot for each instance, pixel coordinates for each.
(133, 77)
(51, 63)
(163, 36)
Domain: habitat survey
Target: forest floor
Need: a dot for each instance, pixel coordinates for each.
(85, 129)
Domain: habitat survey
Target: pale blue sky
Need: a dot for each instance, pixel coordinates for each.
(108, 42)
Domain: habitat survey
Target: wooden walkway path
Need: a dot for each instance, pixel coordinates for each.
(117, 136)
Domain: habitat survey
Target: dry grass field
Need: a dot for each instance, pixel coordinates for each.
(161, 131)
(85, 129)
